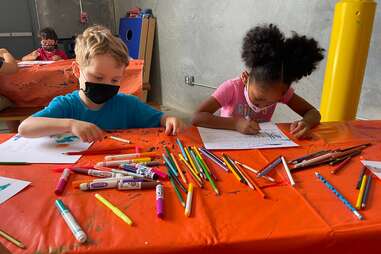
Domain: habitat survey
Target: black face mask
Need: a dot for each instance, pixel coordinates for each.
(100, 93)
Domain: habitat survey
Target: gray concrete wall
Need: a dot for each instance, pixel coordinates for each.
(64, 15)
(203, 38)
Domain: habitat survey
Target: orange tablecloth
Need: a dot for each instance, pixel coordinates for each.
(304, 219)
(37, 85)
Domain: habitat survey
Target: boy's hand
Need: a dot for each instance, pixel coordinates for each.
(87, 132)
(299, 129)
(173, 125)
(247, 126)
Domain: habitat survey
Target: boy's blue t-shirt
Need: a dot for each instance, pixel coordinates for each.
(120, 112)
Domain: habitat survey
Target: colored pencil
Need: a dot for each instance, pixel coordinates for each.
(361, 192)
(270, 166)
(13, 240)
(253, 170)
(195, 177)
(287, 171)
(208, 176)
(366, 194)
(341, 165)
(339, 195)
(183, 178)
(362, 172)
(178, 194)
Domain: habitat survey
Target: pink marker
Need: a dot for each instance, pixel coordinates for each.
(161, 175)
(62, 181)
(160, 200)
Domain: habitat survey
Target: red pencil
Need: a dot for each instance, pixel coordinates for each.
(341, 165)
(101, 151)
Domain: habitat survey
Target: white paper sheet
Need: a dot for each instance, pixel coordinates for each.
(10, 187)
(374, 166)
(41, 150)
(270, 136)
(31, 63)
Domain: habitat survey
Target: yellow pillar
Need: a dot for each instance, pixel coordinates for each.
(347, 56)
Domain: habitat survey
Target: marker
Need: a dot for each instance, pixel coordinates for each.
(120, 139)
(160, 200)
(144, 171)
(62, 181)
(98, 185)
(119, 162)
(162, 175)
(93, 172)
(130, 156)
(77, 183)
(127, 173)
(148, 164)
(128, 185)
(12, 239)
(288, 171)
(341, 197)
(114, 209)
(77, 231)
(188, 206)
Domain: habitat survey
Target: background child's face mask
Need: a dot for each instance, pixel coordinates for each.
(48, 44)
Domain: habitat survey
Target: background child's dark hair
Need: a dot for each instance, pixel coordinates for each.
(272, 57)
(48, 33)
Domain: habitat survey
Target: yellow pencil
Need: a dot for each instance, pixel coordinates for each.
(114, 209)
(179, 169)
(191, 161)
(361, 192)
(230, 168)
(12, 239)
(188, 206)
(191, 170)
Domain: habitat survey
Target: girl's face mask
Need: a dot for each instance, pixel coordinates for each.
(254, 107)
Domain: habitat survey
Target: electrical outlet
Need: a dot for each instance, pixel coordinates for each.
(189, 80)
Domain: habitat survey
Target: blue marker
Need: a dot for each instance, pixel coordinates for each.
(338, 194)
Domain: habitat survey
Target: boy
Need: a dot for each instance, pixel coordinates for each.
(100, 62)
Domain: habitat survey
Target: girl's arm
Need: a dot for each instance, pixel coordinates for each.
(34, 127)
(205, 117)
(311, 116)
(31, 56)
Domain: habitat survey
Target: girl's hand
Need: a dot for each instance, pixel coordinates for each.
(173, 125)
(247, 126)
(56, 58)
(87, 132)
(299, 129)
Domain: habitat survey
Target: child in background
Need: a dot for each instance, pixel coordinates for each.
(49, 50)
(101, 60)
(274, 63)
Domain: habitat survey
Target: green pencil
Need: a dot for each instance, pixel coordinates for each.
(178, 194)
(208, 175)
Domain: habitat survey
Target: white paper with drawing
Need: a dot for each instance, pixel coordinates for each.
(270, 136)
(41, 150)
(374, 166)
(10, 187)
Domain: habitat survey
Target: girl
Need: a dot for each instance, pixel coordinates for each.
(274, 63)
(48, 50)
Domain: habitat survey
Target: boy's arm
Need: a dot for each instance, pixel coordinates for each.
(34, 127)
(205, 117)
(9, 65)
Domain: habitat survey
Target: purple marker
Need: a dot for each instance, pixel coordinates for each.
(62, 181)
(160, 200)
(98, 185)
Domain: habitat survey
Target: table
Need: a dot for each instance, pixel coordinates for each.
(304, 219)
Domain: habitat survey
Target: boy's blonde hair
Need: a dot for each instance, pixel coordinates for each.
(98, 40)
